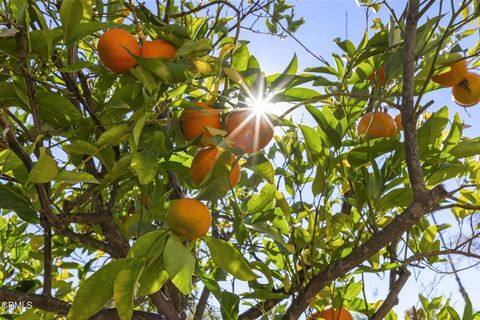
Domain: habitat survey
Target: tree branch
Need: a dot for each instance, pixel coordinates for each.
(164, 306)
(409, 120)
(423, 255)
(392, 297)
(61, 307)
(91, 242)
(215, 2)
(202, 303)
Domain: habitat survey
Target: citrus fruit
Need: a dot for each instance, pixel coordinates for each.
(332, 314)
(157, 49)
(467, 92)
(194, 121)
(398, 121)
(188, 218)
(204, 162)
(453, 76)
(249, 130)
(112, 50)
(377, 125)
(379, 75)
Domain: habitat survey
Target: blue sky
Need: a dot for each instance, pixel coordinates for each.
(325, 20)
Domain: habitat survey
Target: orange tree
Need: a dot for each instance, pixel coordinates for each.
(100, 217)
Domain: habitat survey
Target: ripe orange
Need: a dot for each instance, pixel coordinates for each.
(158, 49)
(398, 121)
(333, 314)
(467, 92)
(249, 131)
(194, 120)
(112, 50)
(454, 76)
(204, 161)
(379, 75)
(188, 218)
(377, 125)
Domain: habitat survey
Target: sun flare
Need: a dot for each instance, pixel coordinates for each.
(266, 106)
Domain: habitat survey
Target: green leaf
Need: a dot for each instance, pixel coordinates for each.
(313, 143)
(319, 182)
(44, 170)
(149, 245)
(453, 313)
(432, 129)
(464, 149)
(87, 29)
(168, 71)
(78, 66)
(75, 177)
(353, 290)
(45, 30)
(226, 256)
(179, 264)
(229, 303)
(195, 47)
(401, 197)
(124, 288)
(153, 278)
(12, 198)
(346, 45)
(216, 183)
(80, 147)
(114, 135)
(328, 123)
(138, 128)
(145, 164)
(455, 133)
(258, 202)
(301, 94)
(444, 172)
(240, 58)
(56, 109)
(71, 13)
(262, 166)
(119, 169)
(468, 310)
(96, 291)
(428, 237)
(287, 75)
(372, 149)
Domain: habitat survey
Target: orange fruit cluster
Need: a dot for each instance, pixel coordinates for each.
(245, 129)
(465, 85)
(116, 46)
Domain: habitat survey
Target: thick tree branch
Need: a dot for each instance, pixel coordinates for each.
(409, 120)
(202, 303)
(392, 297)
(61, 307)
(91, 242)
(47, 256)
(164, 306)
